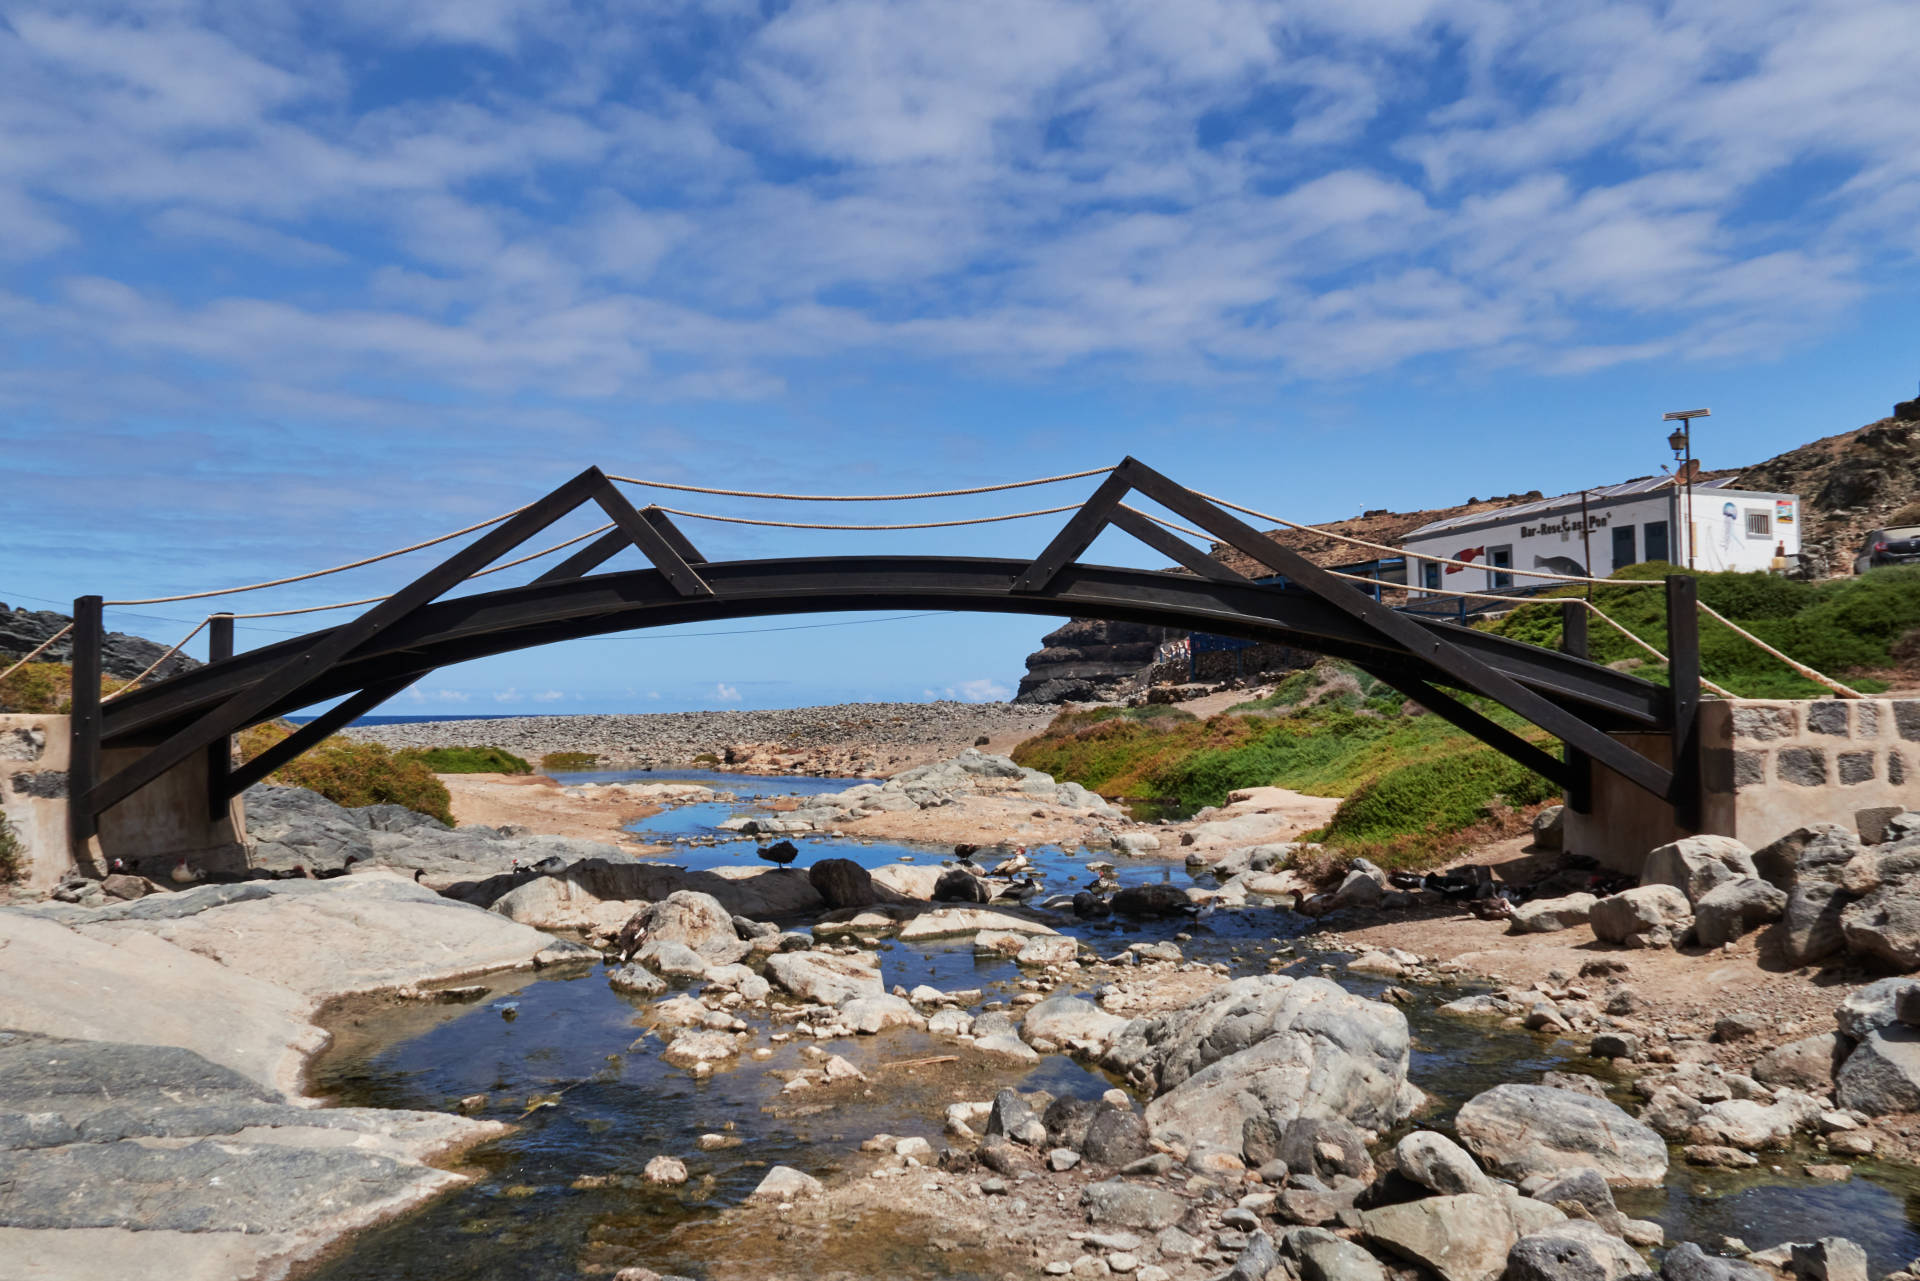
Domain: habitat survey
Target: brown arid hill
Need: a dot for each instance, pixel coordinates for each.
(1848, 484)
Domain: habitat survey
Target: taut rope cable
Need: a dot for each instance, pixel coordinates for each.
(926, 524)
(38, 650)
(318, 573)
(155, 666)
(1442, 560)
(863, 498)
(1844, 691)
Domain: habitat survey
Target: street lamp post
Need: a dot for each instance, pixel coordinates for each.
(1681, 443)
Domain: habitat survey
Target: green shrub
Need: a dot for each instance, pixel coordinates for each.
(44, 689)
(568, 762)
(353, 774)
(706, 758)
(13, 853)
(1420, 808)
(467, 760)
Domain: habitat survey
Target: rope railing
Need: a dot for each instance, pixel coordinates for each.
(1844, 691)
(38, 650)
(925, 524)
(862, 498)
(155, 665)
(319, 573)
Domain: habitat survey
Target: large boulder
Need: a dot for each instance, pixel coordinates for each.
(291, 826)
(1269, 1048)
(1877, 1005)
(1523, 1130)
(1817, 849)
(1550, 915)
(1577, 1250)
(1437, 1163)
(842, 882)
(1882, 1075)
(1688, 1262)
(1885, 924)
(1806, 1064)
(1810, 928)
(827, 978)
(1646, 913)
(1458, 1238)
(594, 893)
(958, 885)
(696, 921)
(1071, 1022)
(1731, 909)
(1695, 864)
(1153, 900)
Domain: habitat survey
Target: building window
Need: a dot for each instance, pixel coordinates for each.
(1430, 575)
(1760, 523)
(1501, 558)
(1623, 546)
(1656, 541)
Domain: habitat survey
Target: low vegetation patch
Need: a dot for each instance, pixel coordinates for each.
(1415, 789)
(353, 774)
(568, 762)
(44, 689)
(13, 853)
(468, 760)
(1847, 628)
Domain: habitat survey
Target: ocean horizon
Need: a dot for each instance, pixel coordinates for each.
(412, 720)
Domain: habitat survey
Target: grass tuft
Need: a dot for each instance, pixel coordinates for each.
(468, 760)
(568, 762)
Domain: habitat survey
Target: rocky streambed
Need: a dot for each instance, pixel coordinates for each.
(817, 1071)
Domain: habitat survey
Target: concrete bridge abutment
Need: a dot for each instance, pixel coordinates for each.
(1767, 766)
(149, 831)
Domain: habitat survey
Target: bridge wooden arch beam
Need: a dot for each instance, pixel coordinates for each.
(415, 631)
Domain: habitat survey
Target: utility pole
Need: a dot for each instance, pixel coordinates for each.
(1681, 443)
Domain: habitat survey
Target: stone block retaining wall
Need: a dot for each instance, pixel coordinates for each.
(1773, 765)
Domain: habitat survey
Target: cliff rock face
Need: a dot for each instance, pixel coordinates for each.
(1088, 660)
(122, 656)
(1848, 484)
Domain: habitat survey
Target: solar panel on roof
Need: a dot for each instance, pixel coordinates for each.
(1624, 489)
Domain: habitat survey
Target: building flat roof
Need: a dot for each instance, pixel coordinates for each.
(1600, 493)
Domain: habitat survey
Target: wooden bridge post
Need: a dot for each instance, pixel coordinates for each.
(1573, 642)
(220, 751)
(1683, 682)
(83, 765)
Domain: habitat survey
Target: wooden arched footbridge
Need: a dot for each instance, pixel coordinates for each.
(414, 631)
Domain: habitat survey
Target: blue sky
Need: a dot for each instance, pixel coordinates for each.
(286, 284)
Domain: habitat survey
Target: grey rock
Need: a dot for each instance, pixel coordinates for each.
(1810, 927)
(1582, 1194)
(1885, 924)
(957, 885)
(1695, 864)
(1619, 917)
(1523, 1130)
(1816, 849)
(1151, 901)
(1319, 1255)
(1688, 1262)
(1873, 1007)
(1829, 1259)
(697, 921)
(842, 882)
(1548, 826)
(1731, 909)
(1458, 1238)
(1132, 1205)
(1438, 1164)
(674, 959)
(1116, 1139)
(1325, 1147)
(1806, 1064)
(1882, 1075)
(1258, 1258)
(1010, 1116)
(1550, 915)
(1576, 1250)
(825, 977)
(637, 980)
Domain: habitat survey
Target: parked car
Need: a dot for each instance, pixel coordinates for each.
(1897, 546)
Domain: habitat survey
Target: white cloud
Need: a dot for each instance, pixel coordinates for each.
(549, 696)
(983, 690)
(726, 693)
(508, 695)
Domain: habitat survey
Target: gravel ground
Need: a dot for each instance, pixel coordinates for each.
(886, 735)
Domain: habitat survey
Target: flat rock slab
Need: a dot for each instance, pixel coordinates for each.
(951, 922)
(595, 893)
(322, 939)
(111, 1138)
(1523, 1130)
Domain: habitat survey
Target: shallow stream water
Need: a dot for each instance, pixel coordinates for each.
(561, 1197)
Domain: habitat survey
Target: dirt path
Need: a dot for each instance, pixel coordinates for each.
(540, 804)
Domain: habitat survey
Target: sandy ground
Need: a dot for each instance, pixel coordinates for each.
(1686, 991)
(539, 804)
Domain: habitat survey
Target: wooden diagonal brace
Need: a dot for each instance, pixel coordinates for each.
(1178, 550)
(654, 542)
(1491, 732)
(312, 734)
(330, 647)
(1077, 534)
(1400, 631)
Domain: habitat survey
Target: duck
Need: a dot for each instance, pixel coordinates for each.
(780, 853)
(332, 872)
(183, 874)
(1021, 890)
(1090, 906)
(1018, 863)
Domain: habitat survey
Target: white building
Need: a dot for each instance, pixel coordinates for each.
(1625, 524)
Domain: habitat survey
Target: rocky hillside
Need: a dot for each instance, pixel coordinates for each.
(122, 656)
(1849, 484)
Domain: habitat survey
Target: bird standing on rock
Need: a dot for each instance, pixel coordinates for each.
(780, 852)
(182, 874)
